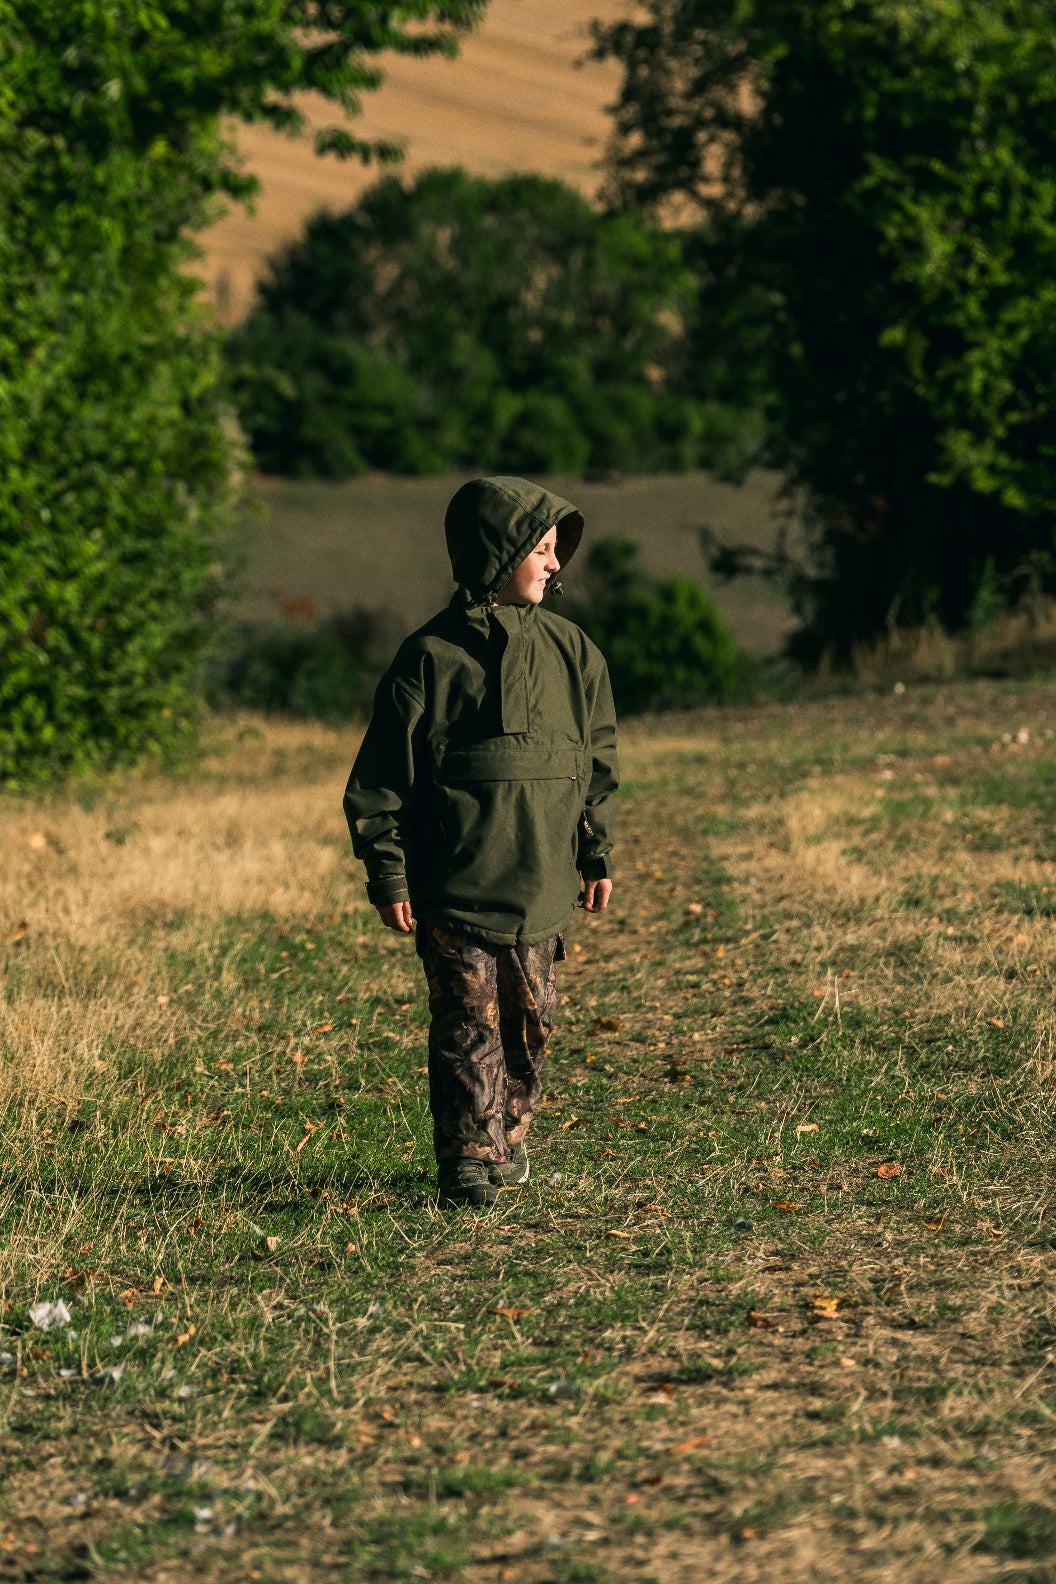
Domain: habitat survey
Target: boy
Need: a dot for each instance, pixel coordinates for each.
(477, 801)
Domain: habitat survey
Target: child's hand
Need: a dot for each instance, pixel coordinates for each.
(397, 916)
(596, 894)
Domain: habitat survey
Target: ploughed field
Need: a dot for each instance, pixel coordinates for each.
(821, 1006)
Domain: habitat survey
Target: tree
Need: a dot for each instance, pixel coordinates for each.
(116, 449)
(884, 172)
(462, 322)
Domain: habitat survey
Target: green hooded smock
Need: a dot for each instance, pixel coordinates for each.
(481, 790)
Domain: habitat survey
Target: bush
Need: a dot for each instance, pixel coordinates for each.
(665, 643)
(491, 325)
(317, 671)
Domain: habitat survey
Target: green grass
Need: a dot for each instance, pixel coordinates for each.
(842, 1038)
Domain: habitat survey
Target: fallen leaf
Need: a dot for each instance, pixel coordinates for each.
(807, 1127)
(38, 841)
(889, 1169)
(606, 1025)
(692, 1445)
(651, 1479)
(504, 1383)
(616, 1233)
(996, 1022)
(935, 1223)
(185, 1336)
(20, 931)
(783, 1204)
(602, 1153)
(322, 1028)
(760, 1322)
(509, 1312)
(574, 1122)
(158, 1283)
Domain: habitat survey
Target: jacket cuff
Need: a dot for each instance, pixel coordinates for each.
(595, 868)
(387, 891)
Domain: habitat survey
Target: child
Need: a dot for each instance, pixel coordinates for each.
(477, 800)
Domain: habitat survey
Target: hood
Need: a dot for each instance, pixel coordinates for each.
(493, 523)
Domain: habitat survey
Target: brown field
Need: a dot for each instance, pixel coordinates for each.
(519, 97)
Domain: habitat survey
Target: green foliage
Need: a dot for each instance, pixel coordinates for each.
(322, 671)
(463, 322)
(881, 173)
(116, 461)
(665, 643)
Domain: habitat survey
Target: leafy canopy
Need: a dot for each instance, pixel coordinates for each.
(884, 172)
(116, 451)
(462, 322)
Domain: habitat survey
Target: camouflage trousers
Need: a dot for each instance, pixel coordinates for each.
(492, 1009)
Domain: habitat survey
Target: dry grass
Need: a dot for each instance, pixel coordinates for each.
(831, 954)
(1020, 642)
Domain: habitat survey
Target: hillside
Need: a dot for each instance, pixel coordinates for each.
(520, 96)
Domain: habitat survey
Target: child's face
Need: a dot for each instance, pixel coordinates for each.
(528, 584)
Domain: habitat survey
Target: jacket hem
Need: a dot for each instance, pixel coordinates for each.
(491, 937)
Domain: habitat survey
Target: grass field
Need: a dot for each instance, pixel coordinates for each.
(379, 542)
(822, 1005)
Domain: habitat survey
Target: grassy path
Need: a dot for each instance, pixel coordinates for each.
(822, 1007)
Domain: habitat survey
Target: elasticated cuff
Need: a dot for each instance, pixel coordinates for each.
(387, 891)
(595, 868)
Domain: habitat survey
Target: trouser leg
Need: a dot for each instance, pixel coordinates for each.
(467, 1070)
(527, 997)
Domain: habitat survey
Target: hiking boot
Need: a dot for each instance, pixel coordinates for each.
(465, 1182)
(513, 1172)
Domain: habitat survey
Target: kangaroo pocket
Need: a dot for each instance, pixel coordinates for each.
(506, 827)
